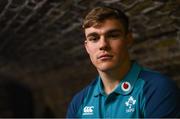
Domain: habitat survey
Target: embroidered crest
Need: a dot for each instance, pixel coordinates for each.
(130, 104)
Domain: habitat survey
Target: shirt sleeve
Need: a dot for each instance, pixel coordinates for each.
(71, 112)
(161, 98)
(74, 106)
(76, 103)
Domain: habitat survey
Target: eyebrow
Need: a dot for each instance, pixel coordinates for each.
(92, 34)
(107, 32)
(114, 30)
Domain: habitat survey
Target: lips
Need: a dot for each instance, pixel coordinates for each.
(105, 57)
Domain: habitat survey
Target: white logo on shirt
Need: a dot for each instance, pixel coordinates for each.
(88, 110)
(130, 104)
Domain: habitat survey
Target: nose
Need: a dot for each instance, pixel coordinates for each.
(103, 45)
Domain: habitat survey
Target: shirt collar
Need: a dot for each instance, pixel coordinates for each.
(99, 87)
(129, 80)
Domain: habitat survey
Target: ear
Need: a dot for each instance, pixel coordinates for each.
(129, 39)
(86, 47)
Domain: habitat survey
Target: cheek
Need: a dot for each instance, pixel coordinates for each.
(117, 47)
(91, 51)
(119, 50)
(93, 58)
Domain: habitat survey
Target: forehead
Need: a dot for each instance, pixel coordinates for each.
(105, 26)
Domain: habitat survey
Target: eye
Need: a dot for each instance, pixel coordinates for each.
(92, 38)
(113, 35)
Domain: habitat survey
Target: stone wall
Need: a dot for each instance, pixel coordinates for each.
(41, 44)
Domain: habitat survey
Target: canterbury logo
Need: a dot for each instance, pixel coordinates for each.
(88, 110)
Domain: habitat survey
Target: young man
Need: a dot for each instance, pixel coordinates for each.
(123, 88)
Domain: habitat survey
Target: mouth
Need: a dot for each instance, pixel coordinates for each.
(105, 57)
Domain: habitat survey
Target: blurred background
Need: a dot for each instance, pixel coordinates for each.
(43, 62)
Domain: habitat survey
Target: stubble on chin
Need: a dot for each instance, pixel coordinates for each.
(104, 66)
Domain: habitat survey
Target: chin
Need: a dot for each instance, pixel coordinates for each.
(105, 68)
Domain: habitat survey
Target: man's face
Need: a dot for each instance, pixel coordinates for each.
(107, 45)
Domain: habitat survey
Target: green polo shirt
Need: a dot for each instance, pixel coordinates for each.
(141, 93)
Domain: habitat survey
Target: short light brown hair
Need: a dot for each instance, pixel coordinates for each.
(99, 14)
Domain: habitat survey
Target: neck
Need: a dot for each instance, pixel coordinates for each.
(112, 78)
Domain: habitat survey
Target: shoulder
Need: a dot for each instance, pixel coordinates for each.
(160, 94)
(79, 97)
(154, 79)
(78, 100)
